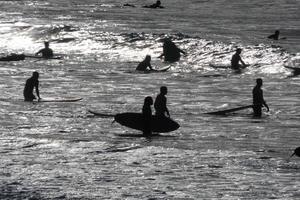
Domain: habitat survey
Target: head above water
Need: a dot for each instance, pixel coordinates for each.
(238, 50)
(158, 3)
(259, 81)
(35, 75)
(277, 32)
(148, 58)
(148, 101)
(46, 43)
(163, 90)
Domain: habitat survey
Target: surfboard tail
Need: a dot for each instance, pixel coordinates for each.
(292, 154)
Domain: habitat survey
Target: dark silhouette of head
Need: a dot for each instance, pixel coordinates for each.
(163, 90)
(158, 3)
(296, 152)
(277, 32)
(148, 101)
(238, 50)
(46, 44)
(259, 82)
(35, 75)
(148, 58)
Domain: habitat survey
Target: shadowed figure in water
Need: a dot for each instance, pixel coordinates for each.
(155, 5)
(142, 66)
(258, 98)
(31, 83)
(171, 52)
(296, 152)
(46, 51)
(160, 104)
(274, 36)
(236, 59)
(13, 57)
(147, 115)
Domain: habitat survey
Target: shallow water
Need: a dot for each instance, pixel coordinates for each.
(61, 151)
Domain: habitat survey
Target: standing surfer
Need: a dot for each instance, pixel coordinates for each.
(147, 115)
(160, 104)
(258, 98)
(31, 83)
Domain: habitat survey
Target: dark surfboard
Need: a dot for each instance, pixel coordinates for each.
(40, 57)
(159, 124)
(224, 112)
(59, 100)
(104, 115)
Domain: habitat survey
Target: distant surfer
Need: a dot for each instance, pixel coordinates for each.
(274, 36)
(13, 57)
(147, 115)
(155, 5)
(236, 59)
(160, 104)
(31, 83)
(142, 66)
(129, 5)
(171, 52)
(46, 51)
(258, 98)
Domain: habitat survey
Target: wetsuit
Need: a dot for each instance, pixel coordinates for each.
(31, 83)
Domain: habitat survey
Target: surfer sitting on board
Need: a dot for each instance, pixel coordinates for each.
(160, 104)
(274, 36)
(31, 83)
(144, 64)
(258, 98)
(155, 5)
(236, 58)
(171, 52)
(147, 114)
(46, 52)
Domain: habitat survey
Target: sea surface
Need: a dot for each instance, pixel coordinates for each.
(52, 151)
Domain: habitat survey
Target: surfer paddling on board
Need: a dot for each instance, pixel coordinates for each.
(171, 52)
(258, 98)
(274, 36)
(147, 114)
(46, 52)
(31, 83)
(160, 104)
(142, 66)
(236, 58)
(155, 5)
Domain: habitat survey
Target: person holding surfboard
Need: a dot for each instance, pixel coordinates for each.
(142, 66)
(236, 58)
(46, 52)
(31, 83)
(160, 104)
(147, 115)
(171, 52)
(258, 98)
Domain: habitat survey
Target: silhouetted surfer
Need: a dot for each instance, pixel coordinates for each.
(129, 5)
(160, 104)
(13, 57)
(142, 66)
(155, 5)
(274, 36)
(31, 83)
(296, 152)
(258, 98)
(147, 114)
(171, 52)
(46, 52)
(236, 59)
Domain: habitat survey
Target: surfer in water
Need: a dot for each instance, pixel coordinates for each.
(46, 52)
(258, 98)
(31, 83)
(236, 58)
(142, 66)
(160, 104)
(171, 52)
(13, 57)
(274, 36)
(147, 114)
(155, 5)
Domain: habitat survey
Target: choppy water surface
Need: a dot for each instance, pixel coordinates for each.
(60, 151)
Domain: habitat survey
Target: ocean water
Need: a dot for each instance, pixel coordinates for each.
(61, 151)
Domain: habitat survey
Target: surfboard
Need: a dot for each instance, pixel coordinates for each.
(159, 124)
(101, 114)
(224, 112)
(141, 135)
(42, 100)
(161, 70)
(40, 57)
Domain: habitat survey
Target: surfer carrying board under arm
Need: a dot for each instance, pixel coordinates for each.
(236, 58)
(46, 52)
(160, 104)
(258, 98)
(31, 83)
(147, 115)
